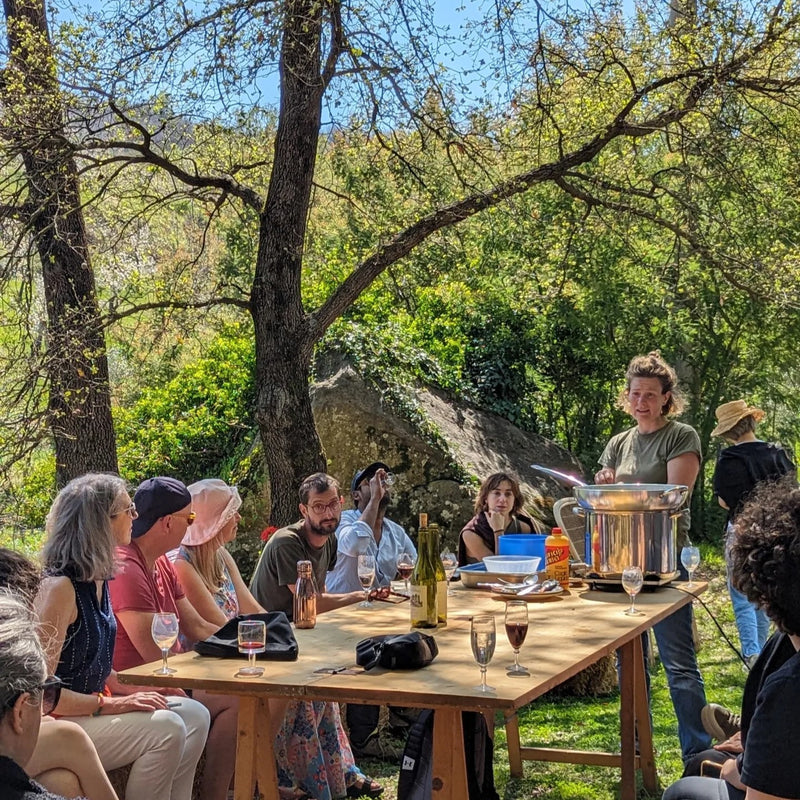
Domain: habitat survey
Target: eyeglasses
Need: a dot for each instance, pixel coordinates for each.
(321, 508)
(130, 511)
(50, 694)
(190, 517)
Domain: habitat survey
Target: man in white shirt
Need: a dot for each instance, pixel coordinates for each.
(365, 530)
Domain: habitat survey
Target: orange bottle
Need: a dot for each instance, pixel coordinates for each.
(556, 557)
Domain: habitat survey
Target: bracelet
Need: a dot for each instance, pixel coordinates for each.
(101, 701)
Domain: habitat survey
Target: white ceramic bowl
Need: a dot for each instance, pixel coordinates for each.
(519, 565)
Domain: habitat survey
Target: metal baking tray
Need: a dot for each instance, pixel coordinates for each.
(473, 574)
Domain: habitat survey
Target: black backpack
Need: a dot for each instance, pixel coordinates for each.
(416, 768)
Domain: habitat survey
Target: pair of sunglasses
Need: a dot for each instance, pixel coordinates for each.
(50, 692)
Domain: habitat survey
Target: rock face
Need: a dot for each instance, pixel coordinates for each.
(439, 462)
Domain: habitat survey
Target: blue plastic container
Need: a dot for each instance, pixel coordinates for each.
(522, 544)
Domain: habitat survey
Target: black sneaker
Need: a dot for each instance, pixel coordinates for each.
(375, 747)
(720, 722)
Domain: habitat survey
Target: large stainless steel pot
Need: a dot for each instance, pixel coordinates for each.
(628, 524)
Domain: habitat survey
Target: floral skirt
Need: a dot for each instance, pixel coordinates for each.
(313, 752)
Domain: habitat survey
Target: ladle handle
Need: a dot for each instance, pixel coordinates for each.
(570, 480)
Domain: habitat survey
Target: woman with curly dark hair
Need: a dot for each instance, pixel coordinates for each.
(765, 566)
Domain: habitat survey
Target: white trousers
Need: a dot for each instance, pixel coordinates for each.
(162, 746)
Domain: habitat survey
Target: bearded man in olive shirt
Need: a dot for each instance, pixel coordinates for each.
(312, 539)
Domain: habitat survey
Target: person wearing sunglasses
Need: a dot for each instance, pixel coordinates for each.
(145, 585)
(89, 518)
(64, 760)
(23, 686)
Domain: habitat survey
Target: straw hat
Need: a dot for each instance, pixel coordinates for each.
(215, 503)
(728, 414)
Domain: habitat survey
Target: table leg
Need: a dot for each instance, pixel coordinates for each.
(647, 760)
(627, 717)
(255, 751)
(449, 762)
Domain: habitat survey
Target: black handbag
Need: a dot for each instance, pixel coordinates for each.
(397, 651)
(281, 644)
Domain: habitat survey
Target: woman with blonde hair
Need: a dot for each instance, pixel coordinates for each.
(312, 749)
(90, 516)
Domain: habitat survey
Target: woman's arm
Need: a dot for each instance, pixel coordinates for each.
(683, 469)
(247, 603)
(475, 546)
(197, 593)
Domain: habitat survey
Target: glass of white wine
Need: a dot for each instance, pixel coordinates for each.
(690, 558)
(164, 630)
(252, 636)
(450, 564)
(632, 580)
(483, 638)
(366, 575)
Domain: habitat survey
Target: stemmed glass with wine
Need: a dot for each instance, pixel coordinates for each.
(483, 638)
(405, 566)
(690, 558)
(252, 639)
(516, 629)
(450, 564)
(164, 630)
(632, 582)
(366, 575)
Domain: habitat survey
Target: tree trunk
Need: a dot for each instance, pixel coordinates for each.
(284, 339)
(79, 405)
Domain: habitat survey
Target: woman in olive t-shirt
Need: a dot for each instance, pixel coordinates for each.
(661, 450)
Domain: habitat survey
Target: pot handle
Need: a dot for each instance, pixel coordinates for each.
(681, 489)
(579, 511)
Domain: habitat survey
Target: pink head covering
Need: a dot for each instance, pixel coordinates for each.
(215, 503)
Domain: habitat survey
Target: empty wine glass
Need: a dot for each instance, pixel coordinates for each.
(632, 580)
(516, 630)
(366, 574)
(164, 630)
(450, 564)
(389, 479)
(483, 638)
(690, 558)
(405, 566)
(252, 640)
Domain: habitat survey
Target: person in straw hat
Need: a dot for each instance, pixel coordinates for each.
(740, 468)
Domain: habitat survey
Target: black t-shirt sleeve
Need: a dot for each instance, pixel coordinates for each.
(771, 750)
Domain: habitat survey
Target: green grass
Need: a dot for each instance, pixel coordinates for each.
(593, 724)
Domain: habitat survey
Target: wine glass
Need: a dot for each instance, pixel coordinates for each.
(450, 564)
(389, 479)
(252, 640)
(366, 574)
(516, 630)
(690, 558)
(632, 580)
(483, 639)
(164, 630)
(405, 566)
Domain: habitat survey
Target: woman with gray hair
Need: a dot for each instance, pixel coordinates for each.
(26, 693)
(162, 741)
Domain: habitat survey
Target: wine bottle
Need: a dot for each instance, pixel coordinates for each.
(305, 597)
(441, 576)
(423, 581)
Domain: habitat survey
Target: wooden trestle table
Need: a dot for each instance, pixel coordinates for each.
(565, 635)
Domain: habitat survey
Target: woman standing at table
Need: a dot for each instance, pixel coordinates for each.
(312, 750)
(498, 510)
(90, 516)
(660, 450)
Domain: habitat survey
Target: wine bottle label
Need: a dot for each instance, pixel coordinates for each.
(423, 605)
(441, 602)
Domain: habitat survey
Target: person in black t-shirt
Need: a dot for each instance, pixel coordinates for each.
(740, 468)
(765, 566)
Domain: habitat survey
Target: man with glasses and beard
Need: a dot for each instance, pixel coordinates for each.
(313, 538)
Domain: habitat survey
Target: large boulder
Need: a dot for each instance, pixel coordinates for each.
(440, 459)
